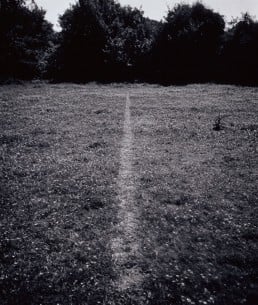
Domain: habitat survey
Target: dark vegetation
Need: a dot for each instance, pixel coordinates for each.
(26, 39)
(104, 41)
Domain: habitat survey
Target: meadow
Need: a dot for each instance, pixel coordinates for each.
(192, 183)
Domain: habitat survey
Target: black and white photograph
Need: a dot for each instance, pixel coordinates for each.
(128, 152)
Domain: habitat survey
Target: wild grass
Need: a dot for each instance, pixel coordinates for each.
(196, 190)
(59, 160)
(198, 193)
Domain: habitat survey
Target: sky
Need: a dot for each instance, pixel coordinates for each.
(156, 9)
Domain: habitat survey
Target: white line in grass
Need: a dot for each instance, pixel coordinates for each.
(125, 245)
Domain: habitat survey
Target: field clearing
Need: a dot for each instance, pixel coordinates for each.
(194, 188)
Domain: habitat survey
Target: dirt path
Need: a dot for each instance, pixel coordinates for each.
(125, 246)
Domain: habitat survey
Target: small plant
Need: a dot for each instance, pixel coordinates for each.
(218, 123)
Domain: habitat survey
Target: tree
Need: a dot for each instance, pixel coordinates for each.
(130, 39)
(80, 54)
(24, 37)
(101, 40)
(188, 44)
(239, 60)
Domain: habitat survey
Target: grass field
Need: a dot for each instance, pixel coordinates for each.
(192, 188)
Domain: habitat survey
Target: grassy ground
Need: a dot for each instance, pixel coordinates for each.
(196, 191)
(60, 158)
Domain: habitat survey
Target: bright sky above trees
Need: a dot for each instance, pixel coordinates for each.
(156, 9)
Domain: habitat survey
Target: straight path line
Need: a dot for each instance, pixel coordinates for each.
(125, 245)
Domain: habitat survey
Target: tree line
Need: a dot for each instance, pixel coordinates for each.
(101, 40)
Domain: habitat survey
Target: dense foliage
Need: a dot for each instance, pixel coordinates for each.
(25, 39)
(80, 53)
(187, 47)
(239, 57)
(102, 40)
